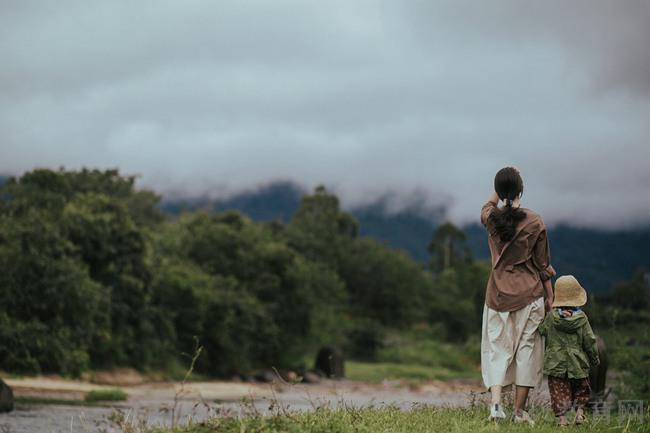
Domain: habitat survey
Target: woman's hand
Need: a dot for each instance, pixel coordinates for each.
(494, 198)
(548, 302)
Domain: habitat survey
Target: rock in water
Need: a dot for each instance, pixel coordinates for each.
(330, 362)
(310, 377)
(6, 397)
(266, 376)
(291, 376)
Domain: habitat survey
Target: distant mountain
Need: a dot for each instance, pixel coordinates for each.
(408, 229)
(598, 258)
(404, 229)
(277, 200)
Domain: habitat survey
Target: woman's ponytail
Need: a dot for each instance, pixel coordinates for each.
(505, 221)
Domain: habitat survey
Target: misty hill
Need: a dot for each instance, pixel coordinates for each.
(404, 230)
(599, 258)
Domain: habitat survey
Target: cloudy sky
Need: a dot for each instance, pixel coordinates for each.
(411, 97)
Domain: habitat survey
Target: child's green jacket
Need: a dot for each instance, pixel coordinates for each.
(570, 345)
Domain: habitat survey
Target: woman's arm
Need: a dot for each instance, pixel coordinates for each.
(548, 291)
(542, 260)
(488, 207)
(494, 198)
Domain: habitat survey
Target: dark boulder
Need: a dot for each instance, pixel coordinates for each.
(311, 377)
(266, 376)
(598, 375)
(6, 397)
(330, 362)
(290, 376)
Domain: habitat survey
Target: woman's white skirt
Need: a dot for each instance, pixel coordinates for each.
(512, 351)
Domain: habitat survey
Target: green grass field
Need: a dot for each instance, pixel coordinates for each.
(114, 394)
(629, 355)
(375, 372)
(417, 356)
(391, 420)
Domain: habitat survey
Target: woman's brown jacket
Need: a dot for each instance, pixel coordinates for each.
(520, 266)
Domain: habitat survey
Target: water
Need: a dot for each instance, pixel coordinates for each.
(152, 405)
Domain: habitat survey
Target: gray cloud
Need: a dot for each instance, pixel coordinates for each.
(367, 96)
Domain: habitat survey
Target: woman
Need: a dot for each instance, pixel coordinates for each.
(511, 348)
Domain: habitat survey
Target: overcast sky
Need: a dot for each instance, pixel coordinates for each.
(412, 97)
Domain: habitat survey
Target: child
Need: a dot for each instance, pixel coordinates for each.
(570, 349)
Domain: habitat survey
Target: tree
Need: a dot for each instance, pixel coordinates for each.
(633, 294)
(459, 283)
(319, 229)
(97, 225)
(298, 299)
(50, 308)
(448, 248)
(385, 285)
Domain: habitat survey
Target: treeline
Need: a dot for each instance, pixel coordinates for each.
(628, 303)
(94, 275)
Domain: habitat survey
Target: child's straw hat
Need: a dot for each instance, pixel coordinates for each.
(569, 293)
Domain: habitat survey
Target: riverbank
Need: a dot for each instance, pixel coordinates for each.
(60, 407)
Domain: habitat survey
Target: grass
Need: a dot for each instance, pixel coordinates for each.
(176, 371)
(392, 420)
(93, 398)
(375, 372)
(53, 401)
(628, 348)
(114, 394)
(417, 355)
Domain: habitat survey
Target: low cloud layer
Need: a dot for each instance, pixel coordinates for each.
(415, 98)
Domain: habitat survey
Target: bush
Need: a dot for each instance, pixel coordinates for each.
(365, 338)
(114, 394)
(239, 334)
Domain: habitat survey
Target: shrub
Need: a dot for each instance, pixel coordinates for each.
(114, 394)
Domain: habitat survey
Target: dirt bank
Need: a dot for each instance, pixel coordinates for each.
(154, 402)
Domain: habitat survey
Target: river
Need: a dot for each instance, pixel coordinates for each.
(153, 404)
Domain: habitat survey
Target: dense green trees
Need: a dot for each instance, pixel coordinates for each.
(75, 277)
(94, 275)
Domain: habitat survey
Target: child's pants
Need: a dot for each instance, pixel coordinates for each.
(567, 392)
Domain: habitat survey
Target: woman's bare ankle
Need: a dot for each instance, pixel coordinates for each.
(495, 390)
